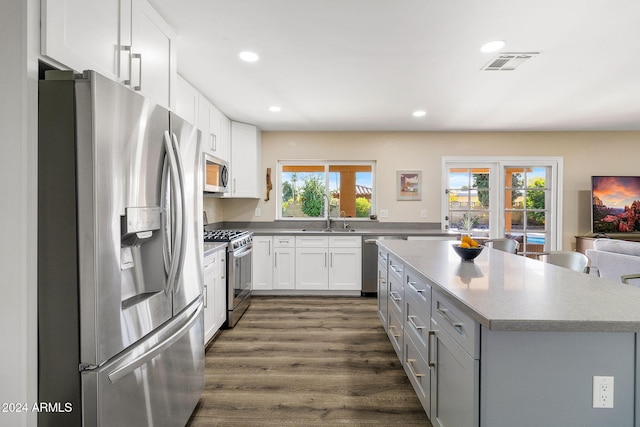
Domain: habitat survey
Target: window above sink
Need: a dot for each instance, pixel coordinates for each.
(343, 190)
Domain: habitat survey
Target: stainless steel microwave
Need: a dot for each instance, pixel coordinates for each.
(216, 174)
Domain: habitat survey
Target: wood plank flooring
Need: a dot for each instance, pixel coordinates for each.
(306, 361)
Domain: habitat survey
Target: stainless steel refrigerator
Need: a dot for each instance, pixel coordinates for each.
(120, 324)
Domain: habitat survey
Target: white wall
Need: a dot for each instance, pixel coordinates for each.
(18, 140)
(584, 154)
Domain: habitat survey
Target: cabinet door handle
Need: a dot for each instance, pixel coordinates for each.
(396, 269)
(413, 322)
(205, 296)
(275, 259)
(214, 142)
(413, 285)
(431, 337)
(445, 315)
(138, 56)
(413, 371)
(391, 329)
(395, 296)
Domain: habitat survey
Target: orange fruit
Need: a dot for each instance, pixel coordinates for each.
(473, 244)
(465, 245)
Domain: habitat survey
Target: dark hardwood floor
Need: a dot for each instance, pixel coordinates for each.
(306, 361)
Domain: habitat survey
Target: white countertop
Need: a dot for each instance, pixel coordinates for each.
(506, 292)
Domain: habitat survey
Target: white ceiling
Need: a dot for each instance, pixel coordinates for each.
(368, 64)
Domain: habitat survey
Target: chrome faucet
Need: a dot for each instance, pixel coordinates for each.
(345, 224)
(328, 211)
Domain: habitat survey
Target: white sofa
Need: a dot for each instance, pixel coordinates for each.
(613, 259)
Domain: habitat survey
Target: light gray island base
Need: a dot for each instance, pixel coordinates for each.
(520, 342)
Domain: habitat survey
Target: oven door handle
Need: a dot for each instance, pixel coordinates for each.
(245, 250)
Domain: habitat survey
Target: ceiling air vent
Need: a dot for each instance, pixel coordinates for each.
(508, 61)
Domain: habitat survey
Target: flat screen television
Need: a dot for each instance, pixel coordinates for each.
(616, 204)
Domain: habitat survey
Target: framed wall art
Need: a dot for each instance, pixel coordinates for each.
(409, 185)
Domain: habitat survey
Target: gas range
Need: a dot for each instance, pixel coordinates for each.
(237, 239)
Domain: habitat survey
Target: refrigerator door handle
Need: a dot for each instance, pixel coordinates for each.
(166, 235)
(124, 370)
(182, 222)
(177, 233)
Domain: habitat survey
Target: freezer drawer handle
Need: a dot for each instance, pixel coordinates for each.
(122, 371)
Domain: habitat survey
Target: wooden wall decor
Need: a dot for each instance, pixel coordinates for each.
(269, 186)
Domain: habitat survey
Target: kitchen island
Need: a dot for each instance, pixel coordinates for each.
(506, 340)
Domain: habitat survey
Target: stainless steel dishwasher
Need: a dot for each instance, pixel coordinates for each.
(370, 262)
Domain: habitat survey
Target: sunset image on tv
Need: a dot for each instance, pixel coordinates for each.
(616, 204)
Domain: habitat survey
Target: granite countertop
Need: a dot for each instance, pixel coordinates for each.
(508, 292)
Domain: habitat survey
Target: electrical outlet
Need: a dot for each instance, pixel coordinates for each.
(423, 213)
(257, 212)
(602, 392)
(384, 213)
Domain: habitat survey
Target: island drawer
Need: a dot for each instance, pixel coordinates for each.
(396, 295)
(396, 268)
(417, 322)
(395, 333)
(383, 258)
(418, 288)
(461, 327)
(418, 371)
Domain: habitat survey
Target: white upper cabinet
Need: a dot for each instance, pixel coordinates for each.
(73, 37)
(187, 99)
(216, 130)
(152, 62)
(125, 40)
(245, 161)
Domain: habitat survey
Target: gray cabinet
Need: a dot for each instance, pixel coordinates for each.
(438, 344)
(395, 323)
(383, 286)
(455, 362)
(417, 322)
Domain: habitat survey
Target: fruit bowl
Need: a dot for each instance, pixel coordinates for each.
(467, 254)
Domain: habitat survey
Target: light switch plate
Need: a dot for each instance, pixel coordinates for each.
(384, 213)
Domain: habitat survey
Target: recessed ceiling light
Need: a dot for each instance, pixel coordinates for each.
(419, 113)
(275, 109)
(249, 56)
(493, 46)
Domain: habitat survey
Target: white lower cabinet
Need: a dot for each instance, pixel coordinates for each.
(329, 263)
(312, 268)
(284, 262)
(262, 263)
(345, 263)
(307, 263)
(273, 263)
(215, 292)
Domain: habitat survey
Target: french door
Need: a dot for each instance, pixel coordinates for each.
(518, 198)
